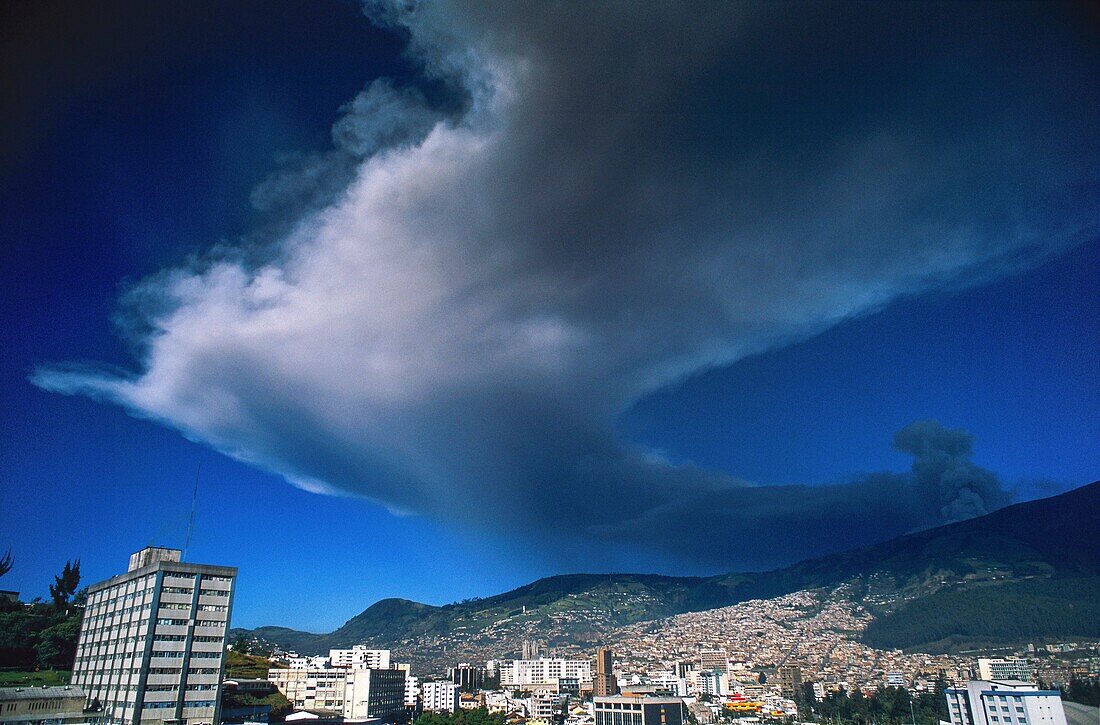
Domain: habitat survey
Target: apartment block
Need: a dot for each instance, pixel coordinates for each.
(359, 657)
(440, 696)
(313, 689)
(1009, 668)
(544, 672)
(152, 643)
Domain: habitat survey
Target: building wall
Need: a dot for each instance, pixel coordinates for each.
(713, 659)
(26, 705)
(985, 702)
(543, 672)
(360, 657)
(152, 643)
(440, 696)
(311, 689)
(374, 693)
(626, 710)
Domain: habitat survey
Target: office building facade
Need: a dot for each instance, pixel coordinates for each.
(638, 710)
(373, 694)
(62, 705)
(544, 672)
(439, 696)
(1004, 702)
(714, 660)
(604, 683)
(152, 643)
(790, 681)
(359, 657)
(1009, 668)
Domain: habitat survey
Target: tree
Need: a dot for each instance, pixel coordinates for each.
(241, 644)
(57, 644)
(65, 585)
(6, 563)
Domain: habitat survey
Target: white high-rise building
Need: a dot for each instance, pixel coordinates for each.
(360, 658)
(152, 643)
(544, 672)
(713, 683)
(1004, 702)
(412, 690)
(440, 696)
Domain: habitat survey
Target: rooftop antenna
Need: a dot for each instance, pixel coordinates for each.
(191, 520)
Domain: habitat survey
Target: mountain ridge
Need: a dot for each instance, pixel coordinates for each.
(1049, 539)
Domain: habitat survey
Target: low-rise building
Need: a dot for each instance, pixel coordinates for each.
(637, 710)
(313, 689)
(63, 705)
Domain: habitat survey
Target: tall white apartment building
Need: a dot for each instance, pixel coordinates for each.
(713, 683)
(1011, 668)
(544, 672)
(360, 658)
(412, 690)
(440, 696)
(1004, 702)
(152, 643)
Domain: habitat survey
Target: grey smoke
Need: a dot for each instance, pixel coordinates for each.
(945, 476)
(624, 195)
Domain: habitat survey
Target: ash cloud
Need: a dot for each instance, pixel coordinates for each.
(624, 196)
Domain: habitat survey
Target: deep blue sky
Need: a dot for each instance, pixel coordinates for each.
(136, 140)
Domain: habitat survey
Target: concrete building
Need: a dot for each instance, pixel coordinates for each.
(307, 663)
(544, 672)
(790, 681)
(412, 691)
(531, 649)
(1004, 702)
(543, 706)
(360, 658)
(44, 706)
(1011, 668)
(440, 696)
(371, 694)
(466, 676)
(318, 689)
(712, 683)
(152, 643)
(604, 683)
(637, 710)
(713, 659)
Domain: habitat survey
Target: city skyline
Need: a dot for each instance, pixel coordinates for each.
(154, 172)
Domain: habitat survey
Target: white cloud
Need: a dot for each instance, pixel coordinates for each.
(455, 332)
